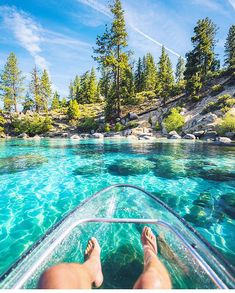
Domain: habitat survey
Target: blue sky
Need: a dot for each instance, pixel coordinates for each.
(59, 34)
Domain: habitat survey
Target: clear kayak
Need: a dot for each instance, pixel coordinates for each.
(116, 216)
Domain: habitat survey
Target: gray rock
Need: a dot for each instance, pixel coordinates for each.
(84, 135)
(210, 135)
(230, 135)
(75, 136)
(133, 116)
(199, 134)
(3, 135)
(175, 136)
(23, 135)
(224, 140)
(97, 135)
(65, 135)
(123, 121)
(170, 134)
(37, 137)
(102, 119)
(146, 134)
(127, 132)
(189, 136)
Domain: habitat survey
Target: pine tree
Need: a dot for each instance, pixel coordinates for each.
(230, 48)
(165, 75)
(139, 77)
(55, 104)
(202, 58)
(35, 89)
(28, 103)
(73, 110)
(180, 69)
(11, 83)
(83, 97)
(128, 84)
(45, 90)
(76, 87)
(64, 103)
(92, 87)
(110, 54)
(150, 73)
(71, 91)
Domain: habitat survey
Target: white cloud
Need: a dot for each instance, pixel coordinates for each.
(105, 11)
(232, 2)
(97, 6)
(26, 31)
(212, 4)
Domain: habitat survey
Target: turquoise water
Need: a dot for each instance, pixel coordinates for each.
(40, 181)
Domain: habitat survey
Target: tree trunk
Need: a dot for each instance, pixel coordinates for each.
(118, 84)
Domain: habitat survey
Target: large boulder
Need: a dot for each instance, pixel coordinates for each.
(227, 202)
(200, 122)
(23, 135)
(75, 136)
(97, 135)
(2, 135)
(133, 116)
(224, 140)
(173, 135)
(230, 135)
(189, 136)
(36, 137)
(199, 134)
(210, 135)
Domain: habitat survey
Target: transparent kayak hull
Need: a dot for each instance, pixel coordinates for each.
(116, 216)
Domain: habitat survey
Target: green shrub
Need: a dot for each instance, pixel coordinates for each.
(131, 124)
(141, 97)
(2, 123)
(157, 126)
(31, 125)
(107, 127)
(196, 98)
(224, 103)
(118, 127)
(73, 110)
(87, 124)
(216, 89)
(174, 121)
(227, 124)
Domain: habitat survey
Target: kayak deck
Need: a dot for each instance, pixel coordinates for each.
(191, 261)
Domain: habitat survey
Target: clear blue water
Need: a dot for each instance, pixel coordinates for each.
(40, 181)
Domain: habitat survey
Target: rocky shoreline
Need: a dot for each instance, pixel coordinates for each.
(141, 134)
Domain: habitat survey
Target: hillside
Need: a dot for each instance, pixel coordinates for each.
(201, 118)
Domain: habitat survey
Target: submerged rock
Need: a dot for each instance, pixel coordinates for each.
(11, 165)
(89, 170)
(204, 200)
(201, 217)
(131, 167)
(227, 203)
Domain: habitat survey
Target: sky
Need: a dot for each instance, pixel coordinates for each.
(59, 35)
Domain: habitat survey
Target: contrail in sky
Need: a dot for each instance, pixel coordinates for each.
(104, 10)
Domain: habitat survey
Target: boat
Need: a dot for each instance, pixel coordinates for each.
(116, 216)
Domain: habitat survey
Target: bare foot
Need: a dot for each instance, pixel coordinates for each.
(92, 259)
(149, 244)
